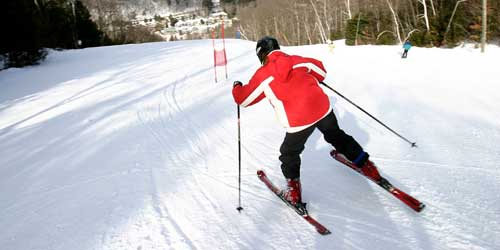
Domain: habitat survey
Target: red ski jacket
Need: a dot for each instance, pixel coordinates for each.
(291, 84)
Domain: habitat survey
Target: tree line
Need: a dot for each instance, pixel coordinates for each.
(424, 22)
(31, 26)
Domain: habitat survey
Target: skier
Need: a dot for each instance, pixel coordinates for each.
(331, 45)
(406, 47)
(291, 84)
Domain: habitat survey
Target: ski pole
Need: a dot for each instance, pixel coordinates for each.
(239, 208)
(413, 144)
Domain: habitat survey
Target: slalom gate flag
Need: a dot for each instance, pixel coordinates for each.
(220, 58)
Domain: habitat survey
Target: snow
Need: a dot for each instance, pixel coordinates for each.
(135, 147)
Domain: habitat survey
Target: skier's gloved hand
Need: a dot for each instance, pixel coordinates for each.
(236, 83)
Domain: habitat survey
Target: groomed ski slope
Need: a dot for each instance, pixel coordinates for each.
(135, 147)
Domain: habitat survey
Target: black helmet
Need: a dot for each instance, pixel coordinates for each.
(264, 46)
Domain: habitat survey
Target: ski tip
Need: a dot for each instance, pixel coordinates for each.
(420, 208)
(324, 232)
(333, 152)
(260, 172)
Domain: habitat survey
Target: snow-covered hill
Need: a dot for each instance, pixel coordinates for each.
(135, 147)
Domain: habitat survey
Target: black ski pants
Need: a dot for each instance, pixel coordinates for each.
(293, 144)
(405, 54)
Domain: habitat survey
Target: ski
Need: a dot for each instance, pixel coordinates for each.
(384, 183)
(300, 209)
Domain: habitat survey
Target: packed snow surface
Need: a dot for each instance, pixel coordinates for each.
(135, 147)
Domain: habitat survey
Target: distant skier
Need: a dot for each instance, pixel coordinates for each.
(406, 47)
(238, 33)
(291, 84)
(331, 45)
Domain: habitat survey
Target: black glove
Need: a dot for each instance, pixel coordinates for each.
(235, 83)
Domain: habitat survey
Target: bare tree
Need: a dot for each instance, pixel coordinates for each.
(485, 24)
(314, 21)
(395, 19)
(326, 18)
(298, 24)
(432, 7)
(319, 23)
(425, 16)
(451, 19)
(308, 33)
(348, 8)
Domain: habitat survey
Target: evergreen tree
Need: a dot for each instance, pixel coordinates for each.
(87, 31)
(30, 26)
(354, 33)
(59, 24)
(21, 24)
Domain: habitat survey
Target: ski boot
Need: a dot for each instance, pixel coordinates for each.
(369, 170)
(293, 193)
(293, 196)
(366, 167)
